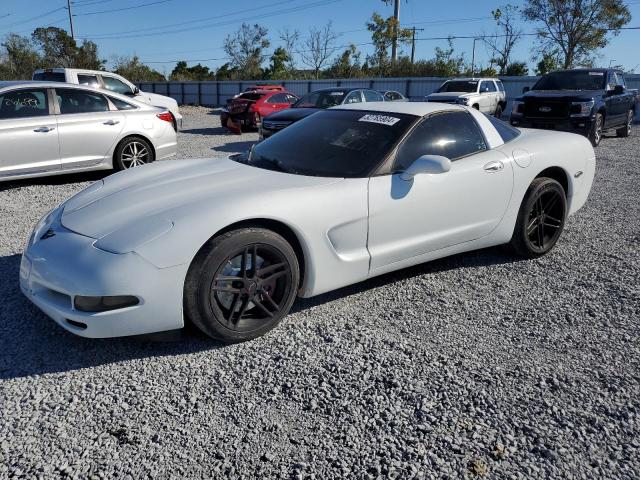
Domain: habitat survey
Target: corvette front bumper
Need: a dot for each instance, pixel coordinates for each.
(55, 270)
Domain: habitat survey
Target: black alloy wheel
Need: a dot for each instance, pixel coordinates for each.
(541, 218)
(626, 130)
(242, 284)
(595, 134)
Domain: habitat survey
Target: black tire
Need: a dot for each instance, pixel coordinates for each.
(476, 106)
(597, 128)
(544, 207)
(223, 121)
(231, 300)
(626, 130)
(122, 157)
(498, 112)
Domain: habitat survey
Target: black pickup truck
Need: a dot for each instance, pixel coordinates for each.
(585, 101)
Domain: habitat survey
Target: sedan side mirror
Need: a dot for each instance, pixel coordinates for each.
(136, 91)
(526, 89)
(427, 164)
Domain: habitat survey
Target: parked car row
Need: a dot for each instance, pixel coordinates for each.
(48, 128)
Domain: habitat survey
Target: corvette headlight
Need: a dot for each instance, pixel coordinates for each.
(49, 220)
(581, 109)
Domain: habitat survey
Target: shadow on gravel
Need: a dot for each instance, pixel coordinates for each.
(478, 258)
(234, 147)
(33, 344)
(56, 179)
(207, 131)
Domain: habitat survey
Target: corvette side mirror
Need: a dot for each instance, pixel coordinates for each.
(136, 91)
(427, 164)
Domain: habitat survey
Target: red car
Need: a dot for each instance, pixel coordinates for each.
(248, 108)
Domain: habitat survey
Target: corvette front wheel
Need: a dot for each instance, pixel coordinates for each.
(241, 284)
(540, 219)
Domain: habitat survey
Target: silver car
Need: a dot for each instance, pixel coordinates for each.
(48, 128)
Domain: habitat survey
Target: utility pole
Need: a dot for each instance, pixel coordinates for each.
(413, 42)
(396, 16)
(70, 18)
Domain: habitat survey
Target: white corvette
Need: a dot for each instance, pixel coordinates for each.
(341, 196)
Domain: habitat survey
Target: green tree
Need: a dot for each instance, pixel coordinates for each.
(548, 63)
(446, 63)
(182, 73)
(383, 31)
(134, 70)
(517, 69)
(576, 29)
(226, 72)
(58, 49)
(19, 58)
(278, 69)
(346, 65)
(246, 50)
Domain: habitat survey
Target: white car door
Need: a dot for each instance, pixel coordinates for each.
(87, 127)
(28, 133)
(486, 99)
(434, 211)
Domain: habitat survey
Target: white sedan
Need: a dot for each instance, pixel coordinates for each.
(341, 196)
(48, 128)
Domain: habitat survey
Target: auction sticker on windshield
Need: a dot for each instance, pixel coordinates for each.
(381, 119)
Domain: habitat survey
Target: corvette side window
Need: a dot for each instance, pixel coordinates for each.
(451, 134)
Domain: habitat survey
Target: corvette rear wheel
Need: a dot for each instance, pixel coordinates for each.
(241, 284)
(540, 219)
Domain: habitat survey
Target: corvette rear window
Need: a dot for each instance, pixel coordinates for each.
(336, 144)
(506, 131)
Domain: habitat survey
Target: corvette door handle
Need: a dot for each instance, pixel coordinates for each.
(112, 122)
(494, 166)
(44, 129)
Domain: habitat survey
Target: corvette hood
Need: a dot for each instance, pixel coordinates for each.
(166, 189)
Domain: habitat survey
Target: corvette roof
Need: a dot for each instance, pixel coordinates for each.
(411, 108)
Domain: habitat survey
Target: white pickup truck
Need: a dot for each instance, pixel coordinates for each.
(113, 82)
(484, 94)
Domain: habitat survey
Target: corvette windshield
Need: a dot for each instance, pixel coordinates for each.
(580, 80)
(459, 86)
(332, 143)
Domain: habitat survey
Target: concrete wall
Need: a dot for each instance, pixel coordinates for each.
(216, 93)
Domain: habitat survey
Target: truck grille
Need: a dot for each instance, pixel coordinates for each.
(538, 108)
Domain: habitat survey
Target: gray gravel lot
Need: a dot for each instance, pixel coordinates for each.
(477, 365)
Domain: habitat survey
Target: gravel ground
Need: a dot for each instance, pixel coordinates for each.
(480, 365)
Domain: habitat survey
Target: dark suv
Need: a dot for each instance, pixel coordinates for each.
(586, 101)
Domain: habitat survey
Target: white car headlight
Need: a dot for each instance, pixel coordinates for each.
(581, 109)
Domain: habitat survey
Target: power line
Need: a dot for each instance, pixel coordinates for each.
(37, 17)
(187, 22)
(124, 8)
(219, 24)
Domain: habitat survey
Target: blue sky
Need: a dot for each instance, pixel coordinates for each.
(161, 31)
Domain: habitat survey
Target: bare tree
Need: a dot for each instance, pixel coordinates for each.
(576, 28)
(319, 47)
(507, 35)
(290, 39)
